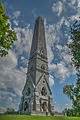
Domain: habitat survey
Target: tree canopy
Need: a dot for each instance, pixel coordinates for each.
(75, 45)
(7, 35)
(73, 91)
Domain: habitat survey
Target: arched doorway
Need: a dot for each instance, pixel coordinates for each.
(44, 106)
(26, 106)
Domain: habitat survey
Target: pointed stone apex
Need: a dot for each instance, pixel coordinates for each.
(39, 18)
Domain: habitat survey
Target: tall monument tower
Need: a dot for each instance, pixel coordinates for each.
(36, 95)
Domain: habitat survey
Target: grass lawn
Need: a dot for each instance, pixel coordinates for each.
(26, 117)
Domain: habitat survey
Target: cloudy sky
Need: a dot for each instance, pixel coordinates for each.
(58, 16)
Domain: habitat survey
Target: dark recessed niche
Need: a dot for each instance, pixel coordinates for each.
(43, 81)
(43, 66)
(26, 106)
(43, 91)
(28, 91)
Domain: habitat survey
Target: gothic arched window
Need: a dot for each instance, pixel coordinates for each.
(28, 91)
(43, 91)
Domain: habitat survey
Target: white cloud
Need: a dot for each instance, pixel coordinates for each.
(9, 60)
(62, 71)
(72, 3)
(64, 6)
(78, 8)
(51, 80)
(51, 37)
(16, 14)
(24, 36)
(15, 22)
(59, 70)
(50, 54)
(15, 17)
(12, 80)
(9, 75)
(58, 7)
(64, 68)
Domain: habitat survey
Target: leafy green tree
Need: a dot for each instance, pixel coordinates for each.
(7, 35)
(75, 46)
(73, 91)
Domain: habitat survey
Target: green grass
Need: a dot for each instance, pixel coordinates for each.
(26, 117)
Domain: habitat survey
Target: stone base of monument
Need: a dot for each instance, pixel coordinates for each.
(40, 113)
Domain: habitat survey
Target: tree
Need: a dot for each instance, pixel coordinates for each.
(73, 91)
(10, 111)
(75, 46)
(7, 35)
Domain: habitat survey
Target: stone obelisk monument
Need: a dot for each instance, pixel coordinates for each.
(36, 95)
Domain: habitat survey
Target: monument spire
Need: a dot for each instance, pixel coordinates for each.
(37, 96)
(38, 42)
